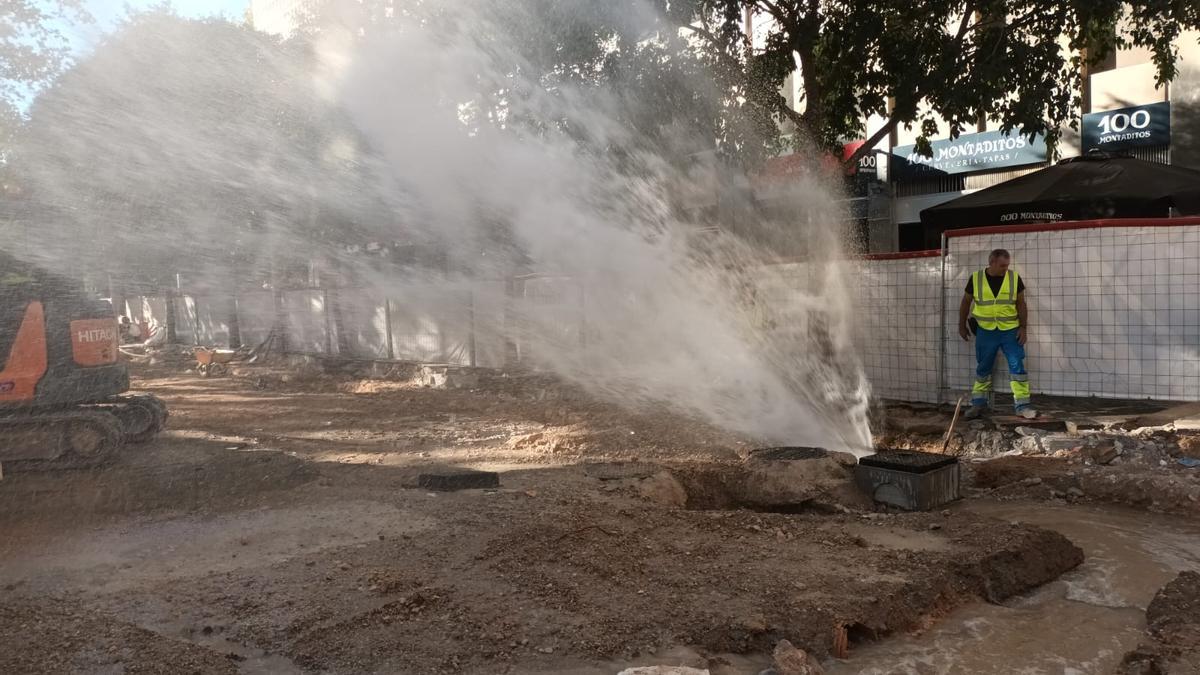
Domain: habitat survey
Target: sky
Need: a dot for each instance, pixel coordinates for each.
(108, 13)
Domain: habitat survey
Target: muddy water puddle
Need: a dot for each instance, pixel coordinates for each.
(1080, 624)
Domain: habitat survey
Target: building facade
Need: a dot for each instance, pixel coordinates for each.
(1121, 111)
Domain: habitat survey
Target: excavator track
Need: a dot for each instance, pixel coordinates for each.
(142, 416)
(78, 438)
(61, 378)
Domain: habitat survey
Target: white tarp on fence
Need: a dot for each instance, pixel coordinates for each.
(1113, 313)
(898, 305)
(307, 328)
(431, 323)
(256, 315)
(364, 321)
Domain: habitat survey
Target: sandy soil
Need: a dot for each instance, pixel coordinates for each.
(276, 527)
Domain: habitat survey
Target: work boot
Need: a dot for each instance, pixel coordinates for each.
(1027, 412)
(975, 412)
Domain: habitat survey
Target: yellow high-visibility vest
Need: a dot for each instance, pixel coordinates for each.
(995, 311)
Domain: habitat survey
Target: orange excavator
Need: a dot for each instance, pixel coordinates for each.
(62, 387)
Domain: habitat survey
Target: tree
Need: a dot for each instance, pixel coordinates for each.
(618, 57)
(199, 147)
(914, 62)
(939, 65)
(33, 50)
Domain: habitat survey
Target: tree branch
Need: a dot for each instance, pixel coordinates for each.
(870, 143)
(715, 40)
(776, 11)
(779, 101)
(965, 24)
(783, 106)
(704, 32)
(894, 119)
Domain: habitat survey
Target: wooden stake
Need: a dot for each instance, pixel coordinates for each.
(953, 421)
(841, 642)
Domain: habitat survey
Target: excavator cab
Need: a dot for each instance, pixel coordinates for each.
(61, 378)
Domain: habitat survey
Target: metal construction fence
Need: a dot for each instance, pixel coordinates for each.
(899, 301)
(422, 322)
(1111, 306)
(1114, 312)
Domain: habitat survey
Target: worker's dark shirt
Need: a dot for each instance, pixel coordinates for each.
(995, 282)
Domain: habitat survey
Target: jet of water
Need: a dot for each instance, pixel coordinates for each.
(670, 312)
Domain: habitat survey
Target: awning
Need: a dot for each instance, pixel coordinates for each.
(1095, 186)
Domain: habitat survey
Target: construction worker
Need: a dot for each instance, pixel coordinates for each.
(999, 322)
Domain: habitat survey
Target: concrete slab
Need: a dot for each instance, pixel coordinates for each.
(1089, 413)
(1041, 422)
(1183, 416)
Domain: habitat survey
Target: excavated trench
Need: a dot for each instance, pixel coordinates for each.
(787, 480)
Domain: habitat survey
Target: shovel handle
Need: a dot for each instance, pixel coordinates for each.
(953, 421)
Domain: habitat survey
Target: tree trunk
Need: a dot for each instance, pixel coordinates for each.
(472, 357)
(333, 281)
(510, 321)
(230, 303)
(279, 324)
(334, 307)
(116, 292)
(279, 321)
(172, 338)
(235, 330)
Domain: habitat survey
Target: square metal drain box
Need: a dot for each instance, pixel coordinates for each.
(909, 480)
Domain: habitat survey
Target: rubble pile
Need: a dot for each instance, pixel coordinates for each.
(1150, 462)
(1159, 446)
(170, 356)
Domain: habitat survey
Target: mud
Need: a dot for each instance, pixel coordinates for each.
(275, 529)
(1173, 619)
(1083, 623)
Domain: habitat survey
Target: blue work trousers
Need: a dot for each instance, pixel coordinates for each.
(987, 343)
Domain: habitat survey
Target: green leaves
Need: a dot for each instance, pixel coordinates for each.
(176, 143)
(33, 50)
(939, 64)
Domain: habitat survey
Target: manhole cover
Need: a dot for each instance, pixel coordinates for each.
(909, 461)
(789, 453)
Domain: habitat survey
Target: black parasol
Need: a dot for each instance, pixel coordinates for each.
(1097, 185)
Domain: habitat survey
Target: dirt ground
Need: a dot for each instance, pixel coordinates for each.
(277, 526)
(1173, 617)
(1141, 454)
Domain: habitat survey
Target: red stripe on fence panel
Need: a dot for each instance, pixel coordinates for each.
(1075, 225)
(902, 255)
